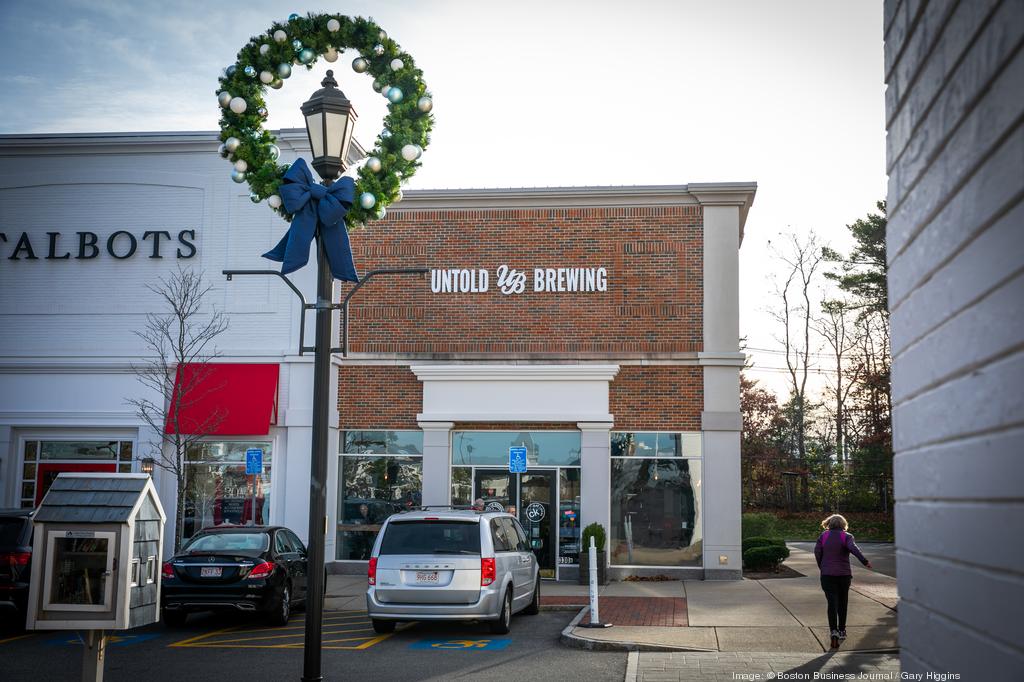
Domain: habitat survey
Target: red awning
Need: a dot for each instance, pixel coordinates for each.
(218, 399)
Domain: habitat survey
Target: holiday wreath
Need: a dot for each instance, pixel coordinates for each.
(267, 61)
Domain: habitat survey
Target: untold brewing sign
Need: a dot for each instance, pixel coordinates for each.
(511, 281)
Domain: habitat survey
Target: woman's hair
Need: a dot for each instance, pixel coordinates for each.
(835, 522)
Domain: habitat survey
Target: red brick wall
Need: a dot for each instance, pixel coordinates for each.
(657, 398)
(379, 397)
(653, 302)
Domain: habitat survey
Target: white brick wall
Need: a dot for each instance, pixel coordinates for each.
(954, 114)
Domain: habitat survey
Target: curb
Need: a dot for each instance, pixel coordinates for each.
(574, 641)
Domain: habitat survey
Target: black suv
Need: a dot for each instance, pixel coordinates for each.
(15, 565)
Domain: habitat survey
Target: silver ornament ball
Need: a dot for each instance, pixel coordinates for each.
(377, 85)
(276, 83)
(250, 71)
(385, 134)
(254, 198)
(238, 105)
(425, 104)
(238, 176)
(274, 151)
(241, 166)
(360, 65)
(306, 55)
(397, 64)
(264, 49)
(410, 152)
(367, 200)
(378, 49)
(381, 212)
(333, 25)
(274, 201)
(231, 144)
(284, 70)
(296, 44)
(280, 36)
(262, 112)
(266, 77)
(224, 98)
(374, 164)
(223, 151)
(331, 54)
(382, 35)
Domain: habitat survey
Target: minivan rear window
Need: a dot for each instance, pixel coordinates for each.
(11, 530)
(431, 537)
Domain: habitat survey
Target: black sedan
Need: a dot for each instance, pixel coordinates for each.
(15, 564)
(251, 569)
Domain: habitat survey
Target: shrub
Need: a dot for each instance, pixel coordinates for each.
(759, 524)
(597, 530)
(764, 558)
(761, 541)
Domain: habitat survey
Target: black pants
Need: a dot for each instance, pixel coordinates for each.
(837, 592)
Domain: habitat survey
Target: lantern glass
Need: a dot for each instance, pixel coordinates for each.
(335, 124)
(330, 119)
(315, 128)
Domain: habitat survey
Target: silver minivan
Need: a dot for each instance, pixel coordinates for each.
(451, 565)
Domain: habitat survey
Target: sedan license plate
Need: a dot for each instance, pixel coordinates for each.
(210, 571)
(426, 577)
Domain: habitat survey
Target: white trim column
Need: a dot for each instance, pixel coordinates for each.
(721, 420)
(595, 475)
(437, 487)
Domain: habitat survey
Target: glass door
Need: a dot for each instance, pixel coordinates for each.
(496, 487)
(538, 514)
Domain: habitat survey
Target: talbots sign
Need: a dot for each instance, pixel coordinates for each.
(510, 281)
(120, 245)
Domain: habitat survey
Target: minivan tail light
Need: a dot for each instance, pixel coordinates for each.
(261, 571)
(371, 572)
(168, 570)
(488, 571)
(16, 558)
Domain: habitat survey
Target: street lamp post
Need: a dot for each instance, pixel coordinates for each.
(330, 119)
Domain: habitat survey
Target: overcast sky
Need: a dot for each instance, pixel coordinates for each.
(785, 93)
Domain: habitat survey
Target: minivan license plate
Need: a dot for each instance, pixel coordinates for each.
(210, 571)
(426, 576)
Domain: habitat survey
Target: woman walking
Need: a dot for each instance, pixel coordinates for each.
(832, 551)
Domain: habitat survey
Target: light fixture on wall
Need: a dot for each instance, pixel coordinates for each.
(147, 465)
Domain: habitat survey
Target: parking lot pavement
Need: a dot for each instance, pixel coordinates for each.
(238, 648)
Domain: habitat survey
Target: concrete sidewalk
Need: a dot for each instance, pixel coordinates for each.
(782, 615)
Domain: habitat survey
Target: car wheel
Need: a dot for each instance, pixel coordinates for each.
(502, 624)
(174, 619)
(534, 607)
(383, 627)
(283, 610)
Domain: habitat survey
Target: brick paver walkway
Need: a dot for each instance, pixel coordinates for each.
(719, 667)
(657, 611)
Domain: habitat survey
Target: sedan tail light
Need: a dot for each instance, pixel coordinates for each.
(261, 571)
(371, 572)
(168, 570)
(15, 558)
(488, 571)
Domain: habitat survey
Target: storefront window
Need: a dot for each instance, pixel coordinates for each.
(569, 517)
(44, 460)
(655, 501)
(490, 448)
(376, 485)
(217, 489)
(462, 486)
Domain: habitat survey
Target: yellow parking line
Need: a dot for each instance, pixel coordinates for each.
(260, 638)
(327, 621)
(191, 640)
(11, 639)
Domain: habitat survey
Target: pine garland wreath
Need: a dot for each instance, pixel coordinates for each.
(267, 60)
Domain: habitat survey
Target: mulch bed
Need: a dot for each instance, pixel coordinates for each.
(783, 572)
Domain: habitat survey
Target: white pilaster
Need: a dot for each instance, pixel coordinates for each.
(437, 488)
(595, 474)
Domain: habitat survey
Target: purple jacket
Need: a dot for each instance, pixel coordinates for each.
(833, 550)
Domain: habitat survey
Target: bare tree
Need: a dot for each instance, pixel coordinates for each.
(840, 333)
(181, 346)
(794, 289)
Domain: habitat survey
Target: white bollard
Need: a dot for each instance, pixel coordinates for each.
(595, 618)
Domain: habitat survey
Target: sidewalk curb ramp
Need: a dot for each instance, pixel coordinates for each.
(574, 641)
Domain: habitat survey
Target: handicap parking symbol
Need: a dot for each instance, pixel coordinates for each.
(112, 640)
(461, 644)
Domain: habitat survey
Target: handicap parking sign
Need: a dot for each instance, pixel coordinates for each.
(517, 459)
(254, 462)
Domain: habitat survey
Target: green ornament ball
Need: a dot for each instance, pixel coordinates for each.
(306, 55)
(284, 70)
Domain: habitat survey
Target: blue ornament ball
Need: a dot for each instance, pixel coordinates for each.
(284, 70)
(395, 95)
(293, 16)
(367, 200)
(250, 71)
(296, 44)
(230, 71)
(306, 55)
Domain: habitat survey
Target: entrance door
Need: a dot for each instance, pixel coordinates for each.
(496, 488)
(538, 515)
(47, 474)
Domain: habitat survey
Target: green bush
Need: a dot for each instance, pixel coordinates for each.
(597, 530)
(761, 541)
(759, 524)
(765, 558)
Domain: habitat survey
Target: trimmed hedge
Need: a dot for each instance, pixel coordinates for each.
(761, 541)
(597, 530)
(765, 558)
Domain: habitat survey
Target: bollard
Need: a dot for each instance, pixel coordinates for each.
(595, 618)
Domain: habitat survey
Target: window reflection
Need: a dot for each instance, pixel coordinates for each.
(219, 492)
(490, 448)
(372, 489)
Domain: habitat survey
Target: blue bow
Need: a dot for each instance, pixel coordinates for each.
(312, 205)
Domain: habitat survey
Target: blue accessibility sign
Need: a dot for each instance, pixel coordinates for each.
(517, 459)
(254, 462)
(461, 644)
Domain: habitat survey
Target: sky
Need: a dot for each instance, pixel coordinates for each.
(786, 93)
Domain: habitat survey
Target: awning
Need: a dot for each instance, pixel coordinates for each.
(223, 399)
